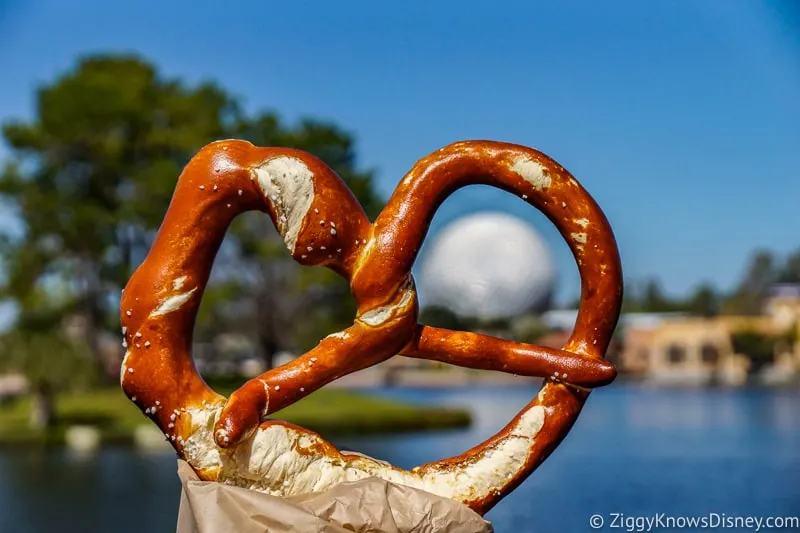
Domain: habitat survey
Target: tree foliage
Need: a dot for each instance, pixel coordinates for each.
(49, 359)
(91, 175)
(51, 362)
(758, 347)
(760, 274)
(648, 297)
(763, 270)
(442, 317)
(790, 271)
(705, 301)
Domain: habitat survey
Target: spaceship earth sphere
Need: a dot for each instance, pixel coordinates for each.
(487, 265)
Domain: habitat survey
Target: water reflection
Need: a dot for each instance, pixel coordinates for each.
(633, 451)
(60, 491)
(636, 451)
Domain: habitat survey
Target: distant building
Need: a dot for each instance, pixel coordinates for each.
(783, 304)
(681, 350)
(670, 348)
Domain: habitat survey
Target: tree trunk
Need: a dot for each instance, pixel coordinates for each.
(42, 407)
(268, 349)
(94, 319)
(268, 310)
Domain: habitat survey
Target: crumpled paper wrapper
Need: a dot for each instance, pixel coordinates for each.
(367, 506)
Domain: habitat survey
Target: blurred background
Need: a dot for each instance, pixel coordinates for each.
(682, 119)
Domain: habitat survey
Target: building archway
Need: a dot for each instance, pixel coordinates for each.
(709, 354)
(676, 354)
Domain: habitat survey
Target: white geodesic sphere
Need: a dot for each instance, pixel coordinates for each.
(488, 265)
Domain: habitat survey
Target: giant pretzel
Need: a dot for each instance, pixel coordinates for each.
(232, 441)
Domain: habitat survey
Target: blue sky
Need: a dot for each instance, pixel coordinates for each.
(681, 118)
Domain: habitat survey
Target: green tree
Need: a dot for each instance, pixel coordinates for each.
(51, 362)
(758, 347)
(647, 297)
(790, 270)
(653, 298)
(630, 298)
(704, 301)
(748, 297)
(90, 177)
(442, 317)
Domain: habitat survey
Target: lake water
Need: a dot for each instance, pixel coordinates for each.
(638, 452)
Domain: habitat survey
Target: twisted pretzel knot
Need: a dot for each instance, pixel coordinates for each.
(232, 441)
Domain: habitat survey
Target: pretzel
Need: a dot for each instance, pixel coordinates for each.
(232, 440)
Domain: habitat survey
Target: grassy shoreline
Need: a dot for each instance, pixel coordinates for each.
(332, 413)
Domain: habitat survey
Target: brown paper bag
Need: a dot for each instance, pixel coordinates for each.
(367, 506)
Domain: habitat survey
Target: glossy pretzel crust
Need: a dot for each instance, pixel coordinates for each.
(323, 224)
